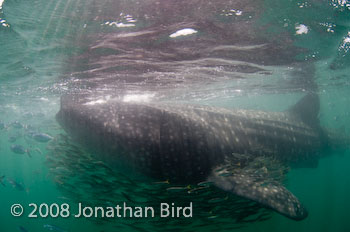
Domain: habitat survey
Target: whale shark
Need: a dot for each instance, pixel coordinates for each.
(183, 50)
(244, 152)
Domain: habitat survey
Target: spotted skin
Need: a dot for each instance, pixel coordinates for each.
(270, 194)
(186, 143)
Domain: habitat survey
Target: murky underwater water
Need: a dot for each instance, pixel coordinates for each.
(125, 48)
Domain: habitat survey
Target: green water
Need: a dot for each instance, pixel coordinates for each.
(38, 39)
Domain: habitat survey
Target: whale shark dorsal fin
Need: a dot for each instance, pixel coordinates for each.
(307, 109)
(270, 194)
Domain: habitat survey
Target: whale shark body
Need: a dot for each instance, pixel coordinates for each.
(240, 151)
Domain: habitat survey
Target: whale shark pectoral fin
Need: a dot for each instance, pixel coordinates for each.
(269, 194)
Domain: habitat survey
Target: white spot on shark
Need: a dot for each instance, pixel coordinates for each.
(183, 32)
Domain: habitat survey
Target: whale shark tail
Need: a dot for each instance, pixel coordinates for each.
(259, 185)
(307, 110)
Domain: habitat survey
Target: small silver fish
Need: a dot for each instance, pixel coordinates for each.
(54, 228)
(19, 149)
(16, 185)
(176, 189)
(22, 229)
(17, 125)
(42, 137)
